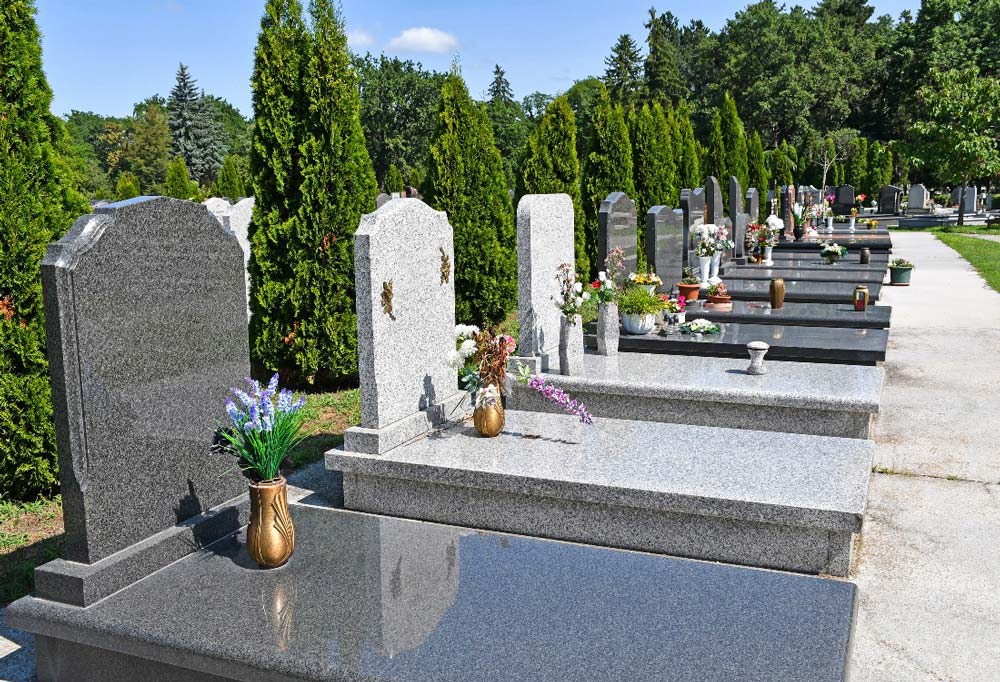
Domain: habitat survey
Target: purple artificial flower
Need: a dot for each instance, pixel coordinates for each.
(244, 398)
(272, 385)
(558, 396)
(234, 414)
(284, 401)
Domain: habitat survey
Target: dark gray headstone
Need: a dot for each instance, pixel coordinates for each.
(665, 244)
(753, 204)
(739, 232)
(956, 194)
(617, 227)
(145, 306)
(888, 199)
(693, 210)
(845, 195)
(713, 201)
(735, 197)
(787, 202)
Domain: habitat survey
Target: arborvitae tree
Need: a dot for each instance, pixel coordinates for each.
(623, 75)
(734, 139)
(781, 169)
(230, 182)
(197, 134)
(179, 184)
(37, 204)
(550, 166)
(651, 166)
(664, 136)
(689, 162)
(465, 178)
(757, 174)
(662, 67)
(879, 168)
(393, 180)
(127, 187)
(715, 160)
(856, 171)
(148, 153)
(608, 168)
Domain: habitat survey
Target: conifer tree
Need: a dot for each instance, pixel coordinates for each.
(734, 139)
(715, 160)
(879, 167)
(856, 172)
(465, 178)
(230, 182)
(37, 204)
(148, 153)
(197, 135)
(393, 180)
(623, 72)
(551, 166)
(608, 167)
(664, 136)
(127, 187)
(689, 162)
(510, 127)
(662, 66)
(781, 168)
(757, 174)
(651, 166)
(179, 184)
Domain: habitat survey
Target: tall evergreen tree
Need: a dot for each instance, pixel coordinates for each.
(757, 174)
(178, 184)
(735, 140)
(662, 66)
(652, 163)
(781, 166)
(149, 151)
(879, 167)
(856, 171)
(716, 163)
(664, 135)
(393, 180)
(688, 163)
(623, 72)
(37, 204)
(551, 166)
(127, 187)
(230, 182)
(197, 134)
(510, 127)
(608, 168)
(465, 178)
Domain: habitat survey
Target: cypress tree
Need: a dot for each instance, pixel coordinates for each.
(857, 164)
(127, 187)
(757, 174)
(465, 178)
(608, 168)
(197, 135)
(651, 157)
(37, 204)
(178, 184)
(230, 183)
(879, 167)
(689, 163)
(734, 139)
(715, 161)
(551, 166)
(664, 136)
(393, 180)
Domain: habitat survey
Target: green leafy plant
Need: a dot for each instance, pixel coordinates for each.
(718, 290)
(688, 278)
(639, 301)
(900, 263)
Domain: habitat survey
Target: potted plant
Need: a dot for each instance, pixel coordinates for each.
(799, 230)
(899, 272)
(647, 280)
(638, 309)
(265, 427)
(717, 293)
(481, 358)
(689, 286)
(674, 310)
(699, 327)
(750, 242)
(832, 252)
(570, 301)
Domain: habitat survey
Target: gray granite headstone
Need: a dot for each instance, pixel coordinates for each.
(665, 244)
(238, 223)
(738, 217)
(404, 277)
(381, 199)
(888, 199)
(544, 242)
(917, 198)
(147, 330)
(845, 195)
(787, 202)
(713, 201)
(617, 227)
(971, 196)
(693, 209)
(753, 204)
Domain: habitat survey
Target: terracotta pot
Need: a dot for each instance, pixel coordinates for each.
(719, 299)
(689, 291)
(270, 535)
(777, 293)
(488, 420)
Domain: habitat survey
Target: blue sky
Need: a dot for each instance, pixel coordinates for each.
(105, 55)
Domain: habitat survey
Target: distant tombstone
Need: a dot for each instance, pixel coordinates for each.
(737, 216)
(238, 223)
(713, 201)
(381, 200)
(753, 204)
(888, 199)
(772, 202)
(544, 242)
(970, 197)
(787, 205)
(147, 332)
(404, 278)
(219, 207)
(917, 198)
(616, 222)
(665, 244)
(845, 195)
(693, 210)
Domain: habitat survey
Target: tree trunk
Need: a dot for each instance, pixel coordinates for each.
(961, 201)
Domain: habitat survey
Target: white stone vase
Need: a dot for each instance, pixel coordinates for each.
(607, 328)
(768, 252)
(570, 345)
(716, 262)
(638, 324)
(704, 263)
(829, 224)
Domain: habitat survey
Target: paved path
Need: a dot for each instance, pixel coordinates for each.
(930, 559)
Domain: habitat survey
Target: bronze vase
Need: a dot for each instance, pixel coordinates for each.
(488, 419)
(777, 293)
(270, 535)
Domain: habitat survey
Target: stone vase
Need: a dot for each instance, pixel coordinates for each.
(270, 534)
(716, 262)
(776, 293)
(829, 224)
(799, 231)
(704, 265)
(570, 345)
(607, 328)
(768, 255)
(851, 226)
(757, 350)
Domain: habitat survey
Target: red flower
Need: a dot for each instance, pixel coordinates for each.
(596, 284)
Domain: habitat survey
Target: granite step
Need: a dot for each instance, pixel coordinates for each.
(831, 273)
(801, 291)
(757, 498)
(383, 599)
(793, 397)
(853, 257)
(796, 314)
(853, 243)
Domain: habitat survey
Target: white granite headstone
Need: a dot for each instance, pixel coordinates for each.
(238, 223)
(917, 198)
(219, 207)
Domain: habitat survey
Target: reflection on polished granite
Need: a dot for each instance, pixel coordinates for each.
(375, 598)
(812, 257)
(797, 314)
(800, 291)
(830, 273)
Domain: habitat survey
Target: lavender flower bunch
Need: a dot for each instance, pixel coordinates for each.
(553, 394)
(264, 429)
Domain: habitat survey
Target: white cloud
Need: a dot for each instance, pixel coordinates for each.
(360, 38)
(424, 39)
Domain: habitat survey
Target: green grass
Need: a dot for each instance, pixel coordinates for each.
(983, 254)
(327, 416)
(31, 534)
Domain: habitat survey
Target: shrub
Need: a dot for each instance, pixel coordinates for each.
(639, 301)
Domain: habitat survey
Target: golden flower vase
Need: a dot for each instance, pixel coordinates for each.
(270, 535)
(489, 420)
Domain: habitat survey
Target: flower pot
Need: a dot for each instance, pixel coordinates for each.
(270, 534)
(776, 293)
(570, 345)
(607, 328)
(638, 324)
(716, 262)
(853, 220)
(768, 251)
(651, 288)
(488, 419)
(829, 224)
(688, 291)
(798, 232)
(900, 276)
(720, 299)
(831, 258)
(704, 267)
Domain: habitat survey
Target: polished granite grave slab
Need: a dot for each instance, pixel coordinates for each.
(801, 291)
(830, 273)
(764, 499)
(797, 314)
(853, 242)
(369, 598)
(808, 266)
(880, 258)
(810, 344)
(825, 400)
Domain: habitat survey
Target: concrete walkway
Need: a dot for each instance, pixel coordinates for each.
(930, 560)
(991, 237)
